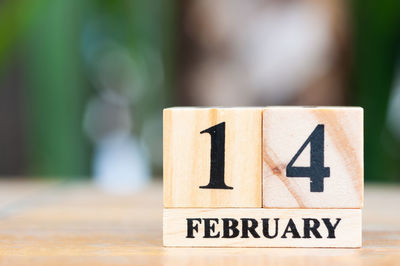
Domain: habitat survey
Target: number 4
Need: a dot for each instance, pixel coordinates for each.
(316, 171)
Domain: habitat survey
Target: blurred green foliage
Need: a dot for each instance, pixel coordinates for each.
(376, 54)
(56, 91)
(47, 36)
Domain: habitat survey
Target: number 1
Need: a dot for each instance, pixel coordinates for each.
(217, 168)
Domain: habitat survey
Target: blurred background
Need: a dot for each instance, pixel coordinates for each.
(83, 83)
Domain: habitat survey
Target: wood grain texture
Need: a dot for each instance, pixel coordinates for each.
(206, 228)
(187, 157)
(285, 129)
(78, 224)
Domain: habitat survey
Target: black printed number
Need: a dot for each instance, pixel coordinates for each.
(316, 172)
(217, 168)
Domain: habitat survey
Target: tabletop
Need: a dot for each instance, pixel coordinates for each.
(75, 223)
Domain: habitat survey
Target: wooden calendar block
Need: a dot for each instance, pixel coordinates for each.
(313, 157)
(260, 227)
(212, 157)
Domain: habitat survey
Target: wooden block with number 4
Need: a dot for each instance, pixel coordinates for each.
(212, 157)
(313, 157)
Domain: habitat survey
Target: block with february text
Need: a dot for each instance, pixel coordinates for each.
(260, 227)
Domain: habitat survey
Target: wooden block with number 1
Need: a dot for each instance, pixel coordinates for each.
(212, 157)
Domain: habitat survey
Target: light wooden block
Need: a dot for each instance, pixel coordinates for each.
(257, 227)
(187, 157)
(336, 135)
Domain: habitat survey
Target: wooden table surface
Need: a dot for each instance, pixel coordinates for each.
(44, 223)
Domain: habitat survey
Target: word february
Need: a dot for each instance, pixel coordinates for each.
(270, 228)
(257, 227)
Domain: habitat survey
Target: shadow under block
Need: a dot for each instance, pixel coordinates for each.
(313, 157)
(262, 227)
(234, 134)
